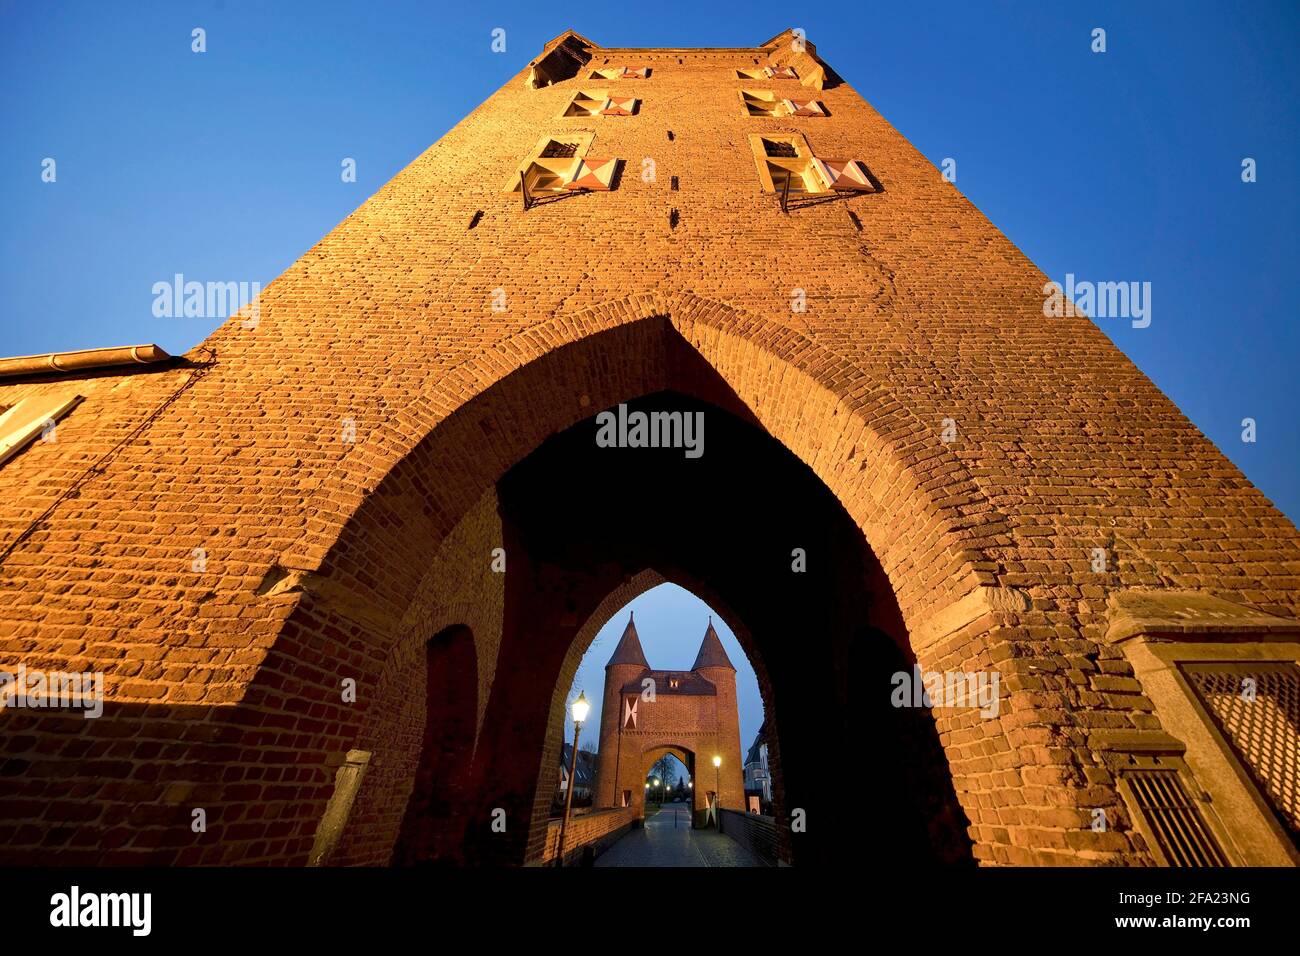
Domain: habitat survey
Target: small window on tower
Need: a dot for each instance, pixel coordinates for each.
(766, 103)
(786, 164)
(586, 103)
(802, 108)
(563, 165)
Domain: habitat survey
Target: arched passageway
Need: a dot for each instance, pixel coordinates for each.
(797, 461)
(678, 762)
(751, 523)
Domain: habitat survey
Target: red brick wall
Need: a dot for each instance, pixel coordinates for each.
(592, 829)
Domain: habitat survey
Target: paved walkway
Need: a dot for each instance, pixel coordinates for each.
(668, 840)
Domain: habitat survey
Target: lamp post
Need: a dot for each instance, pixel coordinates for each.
(717, 793)
(580, 709)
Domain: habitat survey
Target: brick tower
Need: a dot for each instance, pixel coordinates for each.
(690, 714)
(272, 547)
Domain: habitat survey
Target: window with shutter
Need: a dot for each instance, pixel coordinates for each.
(767, 103)
(786, 158)
(586, 103)
(599, 103)
(563, 164)
(1224, 680)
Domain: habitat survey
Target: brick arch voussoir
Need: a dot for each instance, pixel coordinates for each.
(913, 499)
(660, 747)
(923, 514)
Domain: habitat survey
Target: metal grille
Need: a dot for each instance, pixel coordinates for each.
(556, 150)
(775, 148)
(1257, 707)
(1178, 826)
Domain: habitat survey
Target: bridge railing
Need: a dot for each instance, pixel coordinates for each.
(758, 834)
(589, 833)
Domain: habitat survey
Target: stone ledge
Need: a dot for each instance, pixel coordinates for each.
(1188, 615)
(966, 611)
(1136, 741)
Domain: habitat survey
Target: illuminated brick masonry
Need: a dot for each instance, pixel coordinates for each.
(337, 566)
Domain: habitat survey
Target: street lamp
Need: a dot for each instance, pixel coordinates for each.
(580, 709)
(717, 793)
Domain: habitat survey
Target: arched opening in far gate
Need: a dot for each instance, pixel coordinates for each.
(661, 790)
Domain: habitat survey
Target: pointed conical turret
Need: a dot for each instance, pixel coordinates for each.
(711, 652)
(629, 648)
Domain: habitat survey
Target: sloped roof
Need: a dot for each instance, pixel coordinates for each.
(760, 738)
(711, 652)
(586, 770)
(687, 683)
(629, 648)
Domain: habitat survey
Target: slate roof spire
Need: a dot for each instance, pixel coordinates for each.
(629, 647)
(711, 652)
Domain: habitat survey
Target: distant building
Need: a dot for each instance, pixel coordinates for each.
(690, 714)
(586, 773)
(758, 779)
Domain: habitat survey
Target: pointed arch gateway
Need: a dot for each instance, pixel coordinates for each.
(647, 711)
(629, 660)
(382, 557)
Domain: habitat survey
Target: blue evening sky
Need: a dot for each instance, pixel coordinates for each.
(225, 165)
